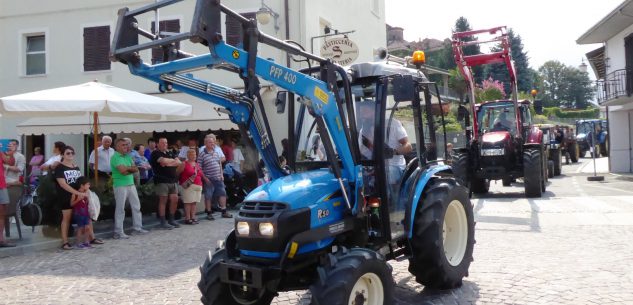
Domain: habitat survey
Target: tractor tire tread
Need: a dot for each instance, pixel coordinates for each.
(428, 263)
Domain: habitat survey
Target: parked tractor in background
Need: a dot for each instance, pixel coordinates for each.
(552, 139)
(502, 143)
(593, 131)
(569, 145)
(329, 223)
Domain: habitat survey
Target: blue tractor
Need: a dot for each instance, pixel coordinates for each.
(594, 131)
(358, 195)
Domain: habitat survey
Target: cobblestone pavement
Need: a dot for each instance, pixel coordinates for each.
(573, 246)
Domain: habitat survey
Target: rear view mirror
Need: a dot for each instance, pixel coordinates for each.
(403, 88)
(280, 101)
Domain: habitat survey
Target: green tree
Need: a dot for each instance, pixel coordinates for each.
(521, 64)
(565, 86)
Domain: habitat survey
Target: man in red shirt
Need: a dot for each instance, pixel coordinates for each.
(227, 149)
(4, 202)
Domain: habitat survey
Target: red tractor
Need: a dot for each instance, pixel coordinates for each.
(502, 143)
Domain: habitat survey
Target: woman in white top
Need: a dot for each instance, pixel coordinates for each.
(52, 162)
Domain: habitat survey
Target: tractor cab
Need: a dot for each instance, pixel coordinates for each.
(397, 125)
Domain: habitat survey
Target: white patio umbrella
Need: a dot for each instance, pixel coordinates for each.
(95, 98)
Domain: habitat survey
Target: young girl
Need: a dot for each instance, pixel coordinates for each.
(81, 216)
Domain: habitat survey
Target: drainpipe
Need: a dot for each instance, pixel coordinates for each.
(287, 21)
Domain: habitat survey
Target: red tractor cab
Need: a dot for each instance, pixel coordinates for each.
(502, 143)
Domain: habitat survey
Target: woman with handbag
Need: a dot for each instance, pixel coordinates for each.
(191, 185)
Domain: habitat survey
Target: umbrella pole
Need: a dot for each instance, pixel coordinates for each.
(95, 128)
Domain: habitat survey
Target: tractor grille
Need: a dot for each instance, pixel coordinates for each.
(261, 209)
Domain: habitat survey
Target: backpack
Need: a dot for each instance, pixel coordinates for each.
(31, 213)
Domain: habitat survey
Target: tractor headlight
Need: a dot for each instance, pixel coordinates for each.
(266, 229)
(493, 152)
(243, 228)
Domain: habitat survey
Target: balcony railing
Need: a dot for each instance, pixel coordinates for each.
(616, 84)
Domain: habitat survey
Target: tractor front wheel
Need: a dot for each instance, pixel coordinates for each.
(604, 148)
(217, 293)
(460, 168)
(480, 185)
(558, 161)
(356, 276)
(443, 235)
(533, 172)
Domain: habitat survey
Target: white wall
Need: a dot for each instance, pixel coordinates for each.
(63, 20)
(619, 134)
(615, 50)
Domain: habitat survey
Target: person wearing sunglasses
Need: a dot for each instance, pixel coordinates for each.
(66, 175)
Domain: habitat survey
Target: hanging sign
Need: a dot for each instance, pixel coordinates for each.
(340, 50)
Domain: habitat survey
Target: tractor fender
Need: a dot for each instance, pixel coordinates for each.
(535, 136)
(419, 190)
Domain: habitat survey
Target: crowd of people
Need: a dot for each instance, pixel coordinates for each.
(178, 172)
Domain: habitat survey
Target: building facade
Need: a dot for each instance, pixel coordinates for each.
(613, 66)
(49, 44)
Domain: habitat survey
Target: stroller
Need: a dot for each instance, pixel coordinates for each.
(235, 189)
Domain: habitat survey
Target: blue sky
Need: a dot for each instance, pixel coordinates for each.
(549, 29)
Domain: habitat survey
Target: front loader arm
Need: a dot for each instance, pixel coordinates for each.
(321, 96)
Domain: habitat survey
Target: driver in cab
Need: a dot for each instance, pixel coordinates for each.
(502, 122)
(397, 140)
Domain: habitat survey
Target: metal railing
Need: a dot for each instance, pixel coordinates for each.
(616, 84)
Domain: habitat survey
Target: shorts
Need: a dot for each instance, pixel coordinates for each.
(166, 189)
(81, 220)
(64, 201)
(191, 194)
(4, 196)
(214, 188)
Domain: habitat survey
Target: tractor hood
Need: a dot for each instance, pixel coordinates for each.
(300, 189)
(495, 137)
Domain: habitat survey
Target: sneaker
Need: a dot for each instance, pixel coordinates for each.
(120, 236)
(81, 247)
(165, 226)
(195, 221)
(140, 231)
(173, 224)
(87, 245)
(210, 216)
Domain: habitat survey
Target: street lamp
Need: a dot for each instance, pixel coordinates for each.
(265, 13)
(583, 66)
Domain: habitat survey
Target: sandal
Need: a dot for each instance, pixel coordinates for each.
(96, 241)
(67, 246)
(195, 221)
(189, 221)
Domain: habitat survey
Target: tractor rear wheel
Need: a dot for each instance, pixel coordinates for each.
(533, 172)
(356, 276)
(443, 235)
(574, 152)
(558, 161)
(217, 293)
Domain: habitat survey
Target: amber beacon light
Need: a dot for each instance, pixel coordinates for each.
(418, 59)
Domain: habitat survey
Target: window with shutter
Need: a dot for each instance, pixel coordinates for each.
(172, 26)
(96, 48)
(234, 29)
